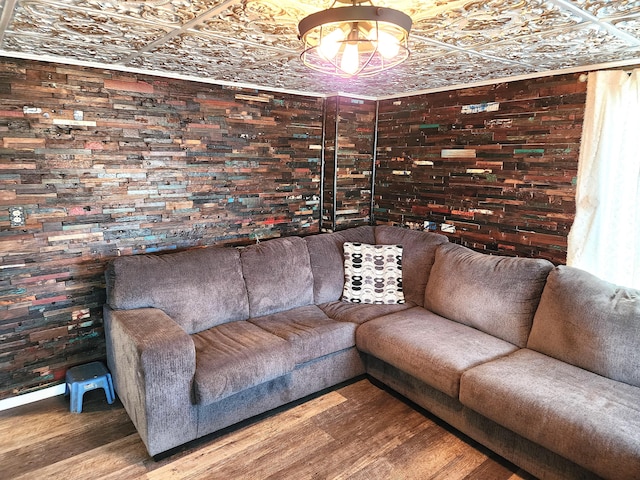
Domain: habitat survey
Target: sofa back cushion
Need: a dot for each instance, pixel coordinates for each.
(589, 323)
(278, 275)
(419, 251)
(327, 261)
(497, 295)
(197, 288)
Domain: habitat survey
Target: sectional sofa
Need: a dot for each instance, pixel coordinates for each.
(539, 363)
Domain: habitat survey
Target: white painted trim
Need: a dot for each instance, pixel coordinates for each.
(31, 397)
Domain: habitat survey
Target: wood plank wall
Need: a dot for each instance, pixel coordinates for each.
(105, 164)
(496, 163)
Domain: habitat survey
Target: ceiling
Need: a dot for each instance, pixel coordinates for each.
(255, 42)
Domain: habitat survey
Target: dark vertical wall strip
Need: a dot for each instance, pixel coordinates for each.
(327, 221)
(354, 161)
(323, 161)
(334, 180)
(374, 162)
(348, 181)
(107, 163)
(492, 167)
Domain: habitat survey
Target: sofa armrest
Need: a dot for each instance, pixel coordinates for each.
(153, 362)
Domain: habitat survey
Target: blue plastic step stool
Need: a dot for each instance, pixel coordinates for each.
(87, 377)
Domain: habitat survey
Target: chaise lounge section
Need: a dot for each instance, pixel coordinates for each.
(539, 363)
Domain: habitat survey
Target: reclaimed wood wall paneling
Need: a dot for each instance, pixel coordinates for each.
(106, 164)
(504, 179)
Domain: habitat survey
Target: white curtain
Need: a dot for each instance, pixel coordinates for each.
(605, 237)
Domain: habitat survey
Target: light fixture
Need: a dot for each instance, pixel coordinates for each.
(356, 40)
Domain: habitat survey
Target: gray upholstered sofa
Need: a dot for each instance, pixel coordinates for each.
(539, 363)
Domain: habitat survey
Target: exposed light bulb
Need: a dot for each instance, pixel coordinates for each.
(330, 44)
(350, 59)
(388, 45)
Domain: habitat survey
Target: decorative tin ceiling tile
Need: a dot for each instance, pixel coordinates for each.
(79, 26)
(208, 51)
(630, 25)
(463, 68)
(279, 35)
(609, 9)
(61, 48)
(255, 42)
(586, 45)
(165, 12)
(485, 21)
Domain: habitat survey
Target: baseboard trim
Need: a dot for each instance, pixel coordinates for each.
(31, 397)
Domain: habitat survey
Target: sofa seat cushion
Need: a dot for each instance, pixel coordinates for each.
(429, 347)
(589, 419)
(237, 355)
(589, 323)
(311, 332)
(498, 295)
(361, 312)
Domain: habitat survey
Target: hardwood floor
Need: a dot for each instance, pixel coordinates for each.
(358, 431)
